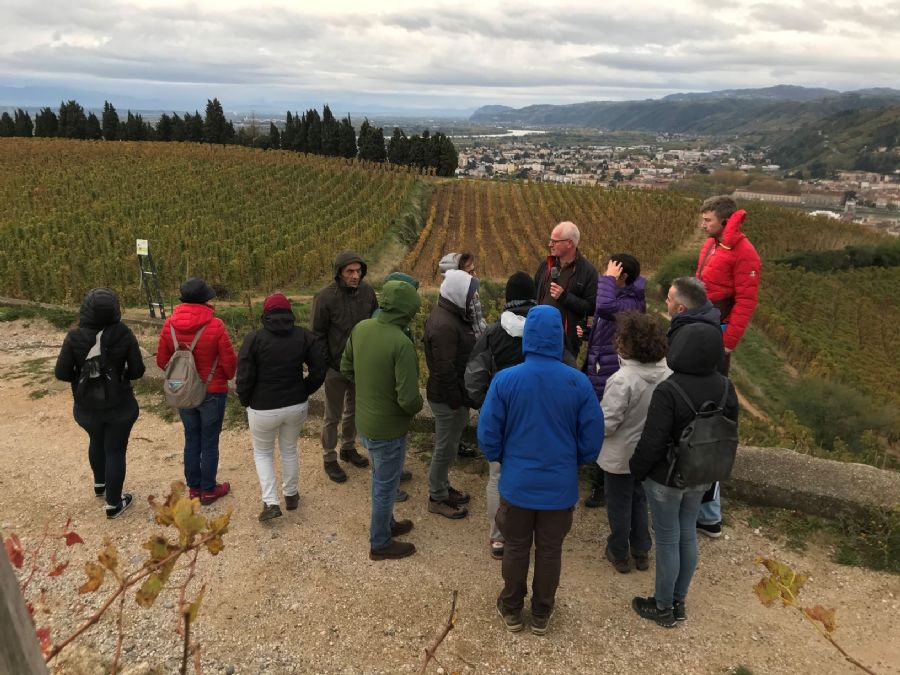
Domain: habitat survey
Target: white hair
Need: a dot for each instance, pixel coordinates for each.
(571, 230)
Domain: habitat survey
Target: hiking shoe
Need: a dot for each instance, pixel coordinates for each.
(401, 527)
(335, 472)
(194, 493)
(207, 497)
(596, 499)
(647, 609)
(457, 496)
(713, 530)
(292, 502)
(539, 624)
(405, 476)
(641, 560)
(497, 550)
(512, 620)
(396, 549)
(447, 509)
(352, 455)
(678, 611)
(269, 511)
(466, 451)
(622, 566)
(116, 511)
(99, 489)
(401, 496)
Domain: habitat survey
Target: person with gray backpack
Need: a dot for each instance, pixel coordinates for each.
(100, 357)
(202, 352)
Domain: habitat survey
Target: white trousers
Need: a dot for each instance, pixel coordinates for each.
(286, 425)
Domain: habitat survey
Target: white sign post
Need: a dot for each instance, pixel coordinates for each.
(143, 247)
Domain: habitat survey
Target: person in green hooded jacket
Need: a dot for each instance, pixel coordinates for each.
(381, 362)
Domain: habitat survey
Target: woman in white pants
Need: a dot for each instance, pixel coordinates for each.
(271, 384)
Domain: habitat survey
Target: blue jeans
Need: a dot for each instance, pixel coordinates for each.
(202, 426)
(675, 523)
(711, 511)
(387, 462)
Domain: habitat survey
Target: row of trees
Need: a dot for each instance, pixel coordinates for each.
(310, 133)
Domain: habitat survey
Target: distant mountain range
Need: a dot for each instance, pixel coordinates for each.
(731, 111)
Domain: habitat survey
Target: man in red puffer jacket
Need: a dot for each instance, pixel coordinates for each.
(203, 424)
(729, 268)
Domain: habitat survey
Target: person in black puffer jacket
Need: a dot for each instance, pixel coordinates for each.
(108, 428)
(271, 385)
(695, 351)
(499, 347)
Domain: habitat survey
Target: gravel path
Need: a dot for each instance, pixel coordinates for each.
(299, 595)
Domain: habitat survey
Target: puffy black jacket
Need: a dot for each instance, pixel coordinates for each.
(270, 364)
(449, 339)
(100, 311)
(337, 308)
(499, 347)
(694, 353)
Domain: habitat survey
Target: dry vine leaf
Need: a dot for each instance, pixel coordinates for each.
(149, 591)
(108, 556)
(782, 582)
(195, 605)
(824, 616)
(187, 520)
(95, 574)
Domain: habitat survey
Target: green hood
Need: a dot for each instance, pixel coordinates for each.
(399, 304)
(401, 276)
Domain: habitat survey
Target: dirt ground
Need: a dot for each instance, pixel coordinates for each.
(300, 595)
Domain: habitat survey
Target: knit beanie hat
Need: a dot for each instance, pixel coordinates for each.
(196, 291)
(520, 286)
(275, 302)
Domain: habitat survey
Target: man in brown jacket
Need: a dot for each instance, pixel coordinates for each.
(337, 308)
(449, 338)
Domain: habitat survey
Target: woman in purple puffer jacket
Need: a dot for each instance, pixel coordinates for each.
(620, 289)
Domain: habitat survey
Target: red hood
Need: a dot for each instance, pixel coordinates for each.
(188, 317)
(732, 233)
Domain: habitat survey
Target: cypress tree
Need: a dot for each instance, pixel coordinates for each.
(164, 128)
(371, 142)
(448, 160)
(331, 133)
(178, 129)
(288, 138)
(46, 123)
(313, 132)
(72, 120)
(92, 130)
(23, 124)
(274, 136)
(110, 120)
(301, 133)
(215, 125)
(193, 127)
(398, 147)
(347, 146)
(7, 126)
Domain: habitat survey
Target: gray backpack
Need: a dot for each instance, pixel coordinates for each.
(183, 386)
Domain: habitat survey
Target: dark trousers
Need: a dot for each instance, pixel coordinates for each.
(108, 431)
(597, 482)
(547, 530)
(202, 427)
(626, 508)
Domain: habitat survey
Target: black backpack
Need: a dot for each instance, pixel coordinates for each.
(707, 447)
(97, 385)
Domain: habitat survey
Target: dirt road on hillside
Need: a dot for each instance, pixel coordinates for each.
(300, 596)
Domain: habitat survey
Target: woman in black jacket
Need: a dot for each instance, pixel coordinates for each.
(107, 420)
(271, 385)
(694, 353)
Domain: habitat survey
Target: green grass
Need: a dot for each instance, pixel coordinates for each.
(62, 319)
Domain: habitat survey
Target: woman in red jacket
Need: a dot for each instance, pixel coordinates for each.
(213, 352)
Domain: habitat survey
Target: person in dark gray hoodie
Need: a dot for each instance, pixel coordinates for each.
(337, 308)
(107, 424)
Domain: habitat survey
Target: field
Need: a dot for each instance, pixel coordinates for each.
(70, 212)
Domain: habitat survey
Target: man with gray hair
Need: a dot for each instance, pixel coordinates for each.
(568, 281)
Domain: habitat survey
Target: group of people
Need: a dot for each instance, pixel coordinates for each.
(541, 417)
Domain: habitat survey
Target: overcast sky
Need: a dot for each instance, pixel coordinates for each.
(430, 54)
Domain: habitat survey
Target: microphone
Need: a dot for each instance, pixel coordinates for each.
(554, 272)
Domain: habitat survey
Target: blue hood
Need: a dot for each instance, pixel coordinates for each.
(543, 332)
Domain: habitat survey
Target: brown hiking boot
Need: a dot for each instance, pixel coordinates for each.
(447, 508)
(269, 512)
(292, 502)
(622, 566)
(352, 455)
(401, 527)
(641, 560)
(396, 549)
(458, 497)
(335, 472)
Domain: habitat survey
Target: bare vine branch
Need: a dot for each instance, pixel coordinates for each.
(431, 650)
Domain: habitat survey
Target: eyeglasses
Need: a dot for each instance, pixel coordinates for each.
(554, 242)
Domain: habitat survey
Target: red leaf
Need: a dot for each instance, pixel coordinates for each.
(43, 635)
(72, 538)
(30, 609)
(14, 551)
(59, 569)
